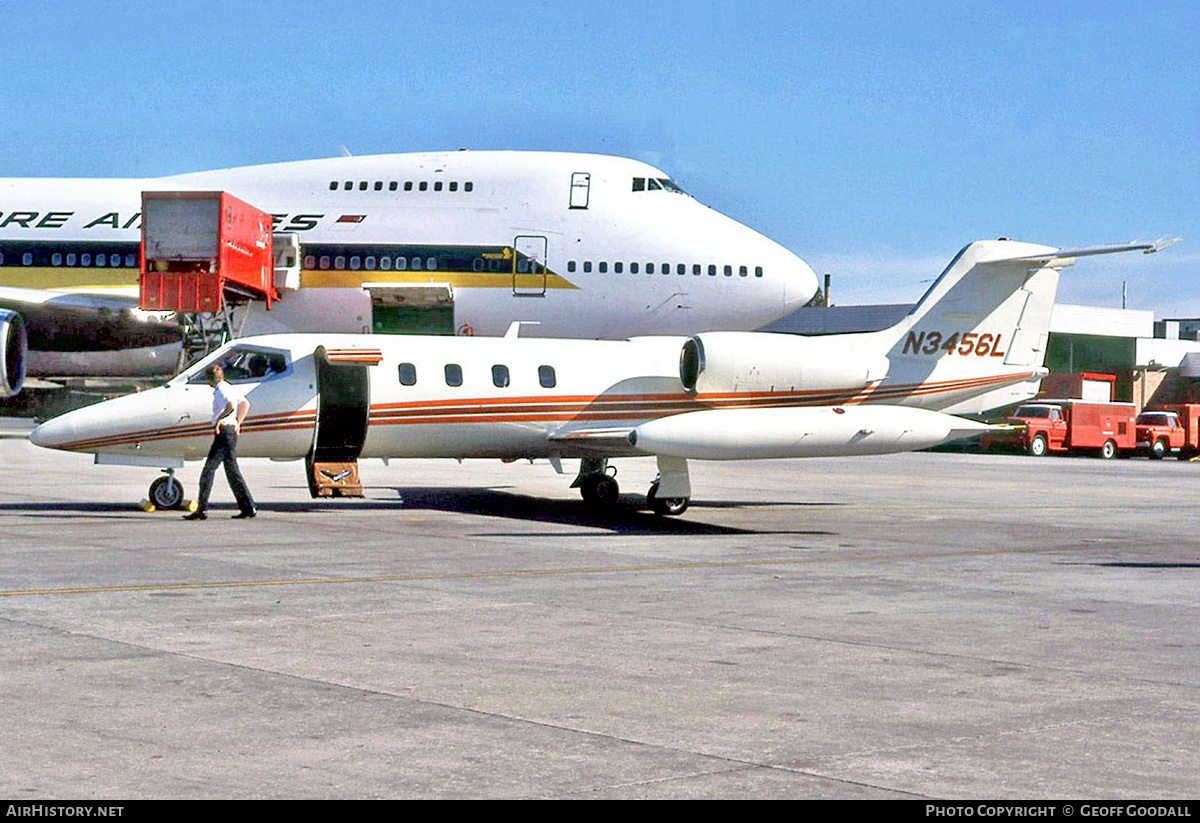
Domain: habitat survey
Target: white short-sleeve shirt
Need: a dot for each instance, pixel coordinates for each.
(225, 395)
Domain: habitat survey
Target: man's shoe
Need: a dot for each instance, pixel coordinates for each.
(245, 515)
(199, 514)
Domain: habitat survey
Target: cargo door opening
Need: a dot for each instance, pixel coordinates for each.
(411, 308)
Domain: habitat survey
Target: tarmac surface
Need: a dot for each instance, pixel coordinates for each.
(911, 626)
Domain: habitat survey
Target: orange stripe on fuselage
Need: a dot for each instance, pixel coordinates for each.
(563, 409)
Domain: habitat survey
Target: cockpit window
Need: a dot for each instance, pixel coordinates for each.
(656, 184)
(244, 365)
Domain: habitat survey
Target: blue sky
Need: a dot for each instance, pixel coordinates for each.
(874, 139)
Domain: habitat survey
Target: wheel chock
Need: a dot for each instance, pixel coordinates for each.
(147, 506)
(191, 506)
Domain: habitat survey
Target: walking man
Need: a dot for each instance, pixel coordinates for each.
(228, 412)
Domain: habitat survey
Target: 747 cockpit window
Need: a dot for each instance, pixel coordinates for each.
(244, 364)
(656, 184)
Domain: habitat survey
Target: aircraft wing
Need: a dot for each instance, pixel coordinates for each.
(605, 441)
(80, 321)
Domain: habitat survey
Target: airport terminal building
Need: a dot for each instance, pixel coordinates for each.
(1155, 362)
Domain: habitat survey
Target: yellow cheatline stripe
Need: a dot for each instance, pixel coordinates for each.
(78, 277)
(409, 578)
(60, 277)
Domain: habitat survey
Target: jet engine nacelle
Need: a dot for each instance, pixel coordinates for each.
(14, 352)
(756, 361)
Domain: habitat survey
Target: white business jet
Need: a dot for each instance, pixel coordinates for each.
(586, 246)
(975, 341)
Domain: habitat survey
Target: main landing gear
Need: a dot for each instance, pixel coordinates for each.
(669, 506)
(597, 483)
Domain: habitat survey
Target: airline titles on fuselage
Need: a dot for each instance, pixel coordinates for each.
(115, 220)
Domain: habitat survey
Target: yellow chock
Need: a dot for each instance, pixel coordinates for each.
(191, 506)
(147, 506)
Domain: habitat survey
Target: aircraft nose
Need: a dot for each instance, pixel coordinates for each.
(53, 433)
(799, 284)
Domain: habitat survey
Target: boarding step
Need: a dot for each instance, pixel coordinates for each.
(334, 478)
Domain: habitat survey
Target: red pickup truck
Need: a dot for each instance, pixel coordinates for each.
(1170, 430)
(1106, 429)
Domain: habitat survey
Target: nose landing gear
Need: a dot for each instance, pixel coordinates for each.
(166, 492)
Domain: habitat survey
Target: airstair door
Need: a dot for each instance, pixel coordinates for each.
(529, 266)
(343, 413)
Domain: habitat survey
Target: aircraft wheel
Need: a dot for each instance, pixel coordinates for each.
(1038, 447)
(669, 506)
(1109, 450)
(600, 490)
(166, 493)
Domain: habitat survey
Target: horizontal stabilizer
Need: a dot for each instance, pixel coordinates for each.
(1065, 255)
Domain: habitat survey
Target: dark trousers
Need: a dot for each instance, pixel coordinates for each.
(224, 450)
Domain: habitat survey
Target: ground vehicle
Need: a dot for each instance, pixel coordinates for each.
(1171, 430)
(1106, 429)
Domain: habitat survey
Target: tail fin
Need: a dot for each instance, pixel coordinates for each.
(995, 296)
(983, 325)
(975, 341)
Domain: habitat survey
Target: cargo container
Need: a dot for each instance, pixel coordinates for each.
(1080, 385)
(200, 249)
(1067, 426)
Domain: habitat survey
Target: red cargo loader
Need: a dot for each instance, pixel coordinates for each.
(198, 248)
